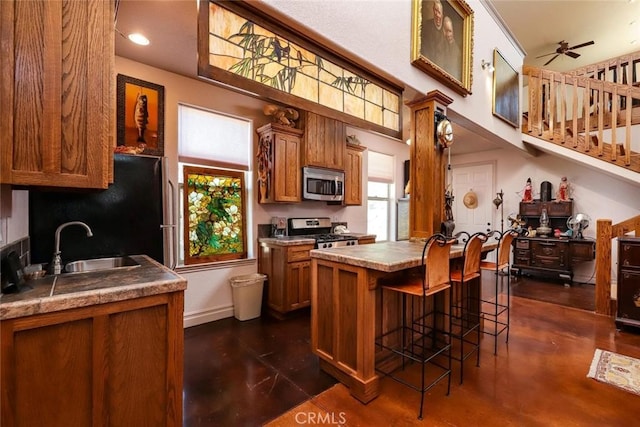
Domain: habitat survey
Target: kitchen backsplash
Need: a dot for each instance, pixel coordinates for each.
(265, 230)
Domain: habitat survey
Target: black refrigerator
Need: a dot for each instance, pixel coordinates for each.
(135, 215)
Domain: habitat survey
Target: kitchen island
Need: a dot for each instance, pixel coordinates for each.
(347, 312)
(102, 347)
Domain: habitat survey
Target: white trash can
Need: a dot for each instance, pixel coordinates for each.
(247, 295)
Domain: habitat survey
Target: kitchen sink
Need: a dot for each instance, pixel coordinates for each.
(98, 264)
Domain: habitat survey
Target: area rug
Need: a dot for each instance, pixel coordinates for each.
(617, 370)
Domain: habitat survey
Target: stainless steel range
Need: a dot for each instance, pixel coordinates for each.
(320, 230)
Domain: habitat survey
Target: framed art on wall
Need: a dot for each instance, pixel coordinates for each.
(506, 90)
(442, 41)
(140, 117)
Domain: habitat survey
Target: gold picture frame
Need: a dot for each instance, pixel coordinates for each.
(506, 90)
(443, 51)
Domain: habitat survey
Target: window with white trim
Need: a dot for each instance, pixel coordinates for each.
(218, 147)
(380, 171)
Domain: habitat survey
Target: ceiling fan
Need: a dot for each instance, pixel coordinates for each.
(564, 49)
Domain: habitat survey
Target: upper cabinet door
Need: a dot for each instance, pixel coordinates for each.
(353, 176)
(323, 142)
(56, 93)
(279, 164)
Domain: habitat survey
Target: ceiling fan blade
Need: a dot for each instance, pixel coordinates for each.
(582, 45)
(546, 54)
(572, 54)
(549, 61)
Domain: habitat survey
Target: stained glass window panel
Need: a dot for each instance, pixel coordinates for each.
(353, 105)
(214, 215)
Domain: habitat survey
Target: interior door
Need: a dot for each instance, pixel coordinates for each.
(479, 179)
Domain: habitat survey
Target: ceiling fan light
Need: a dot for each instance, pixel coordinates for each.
(138, 38)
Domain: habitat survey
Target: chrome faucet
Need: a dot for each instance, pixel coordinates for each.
(57, 259)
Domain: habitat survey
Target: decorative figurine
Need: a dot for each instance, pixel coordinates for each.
(283, 116)
(527, 192)
(448, 225)
(562, 195)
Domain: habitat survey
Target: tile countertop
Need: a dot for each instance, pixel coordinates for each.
(386, 256)
(85, 289)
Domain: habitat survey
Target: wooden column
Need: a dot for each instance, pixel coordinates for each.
(427, 170)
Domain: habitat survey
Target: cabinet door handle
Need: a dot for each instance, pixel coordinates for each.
(546, 244)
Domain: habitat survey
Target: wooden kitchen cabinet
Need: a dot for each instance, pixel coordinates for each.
(323, 144)
(118, 364)
(279, 164)
(56, 93)
(628, 289)
(288, 269)
(353, 175)
(366, 240)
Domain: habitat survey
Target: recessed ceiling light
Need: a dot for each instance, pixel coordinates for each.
(138, 38)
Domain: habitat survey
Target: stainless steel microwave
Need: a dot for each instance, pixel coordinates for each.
(322, 184)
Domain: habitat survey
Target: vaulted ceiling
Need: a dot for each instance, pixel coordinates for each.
(538, 25)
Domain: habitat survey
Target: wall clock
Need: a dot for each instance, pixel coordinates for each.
(444, 133)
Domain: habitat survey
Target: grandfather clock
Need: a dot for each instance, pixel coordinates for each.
(428, 163)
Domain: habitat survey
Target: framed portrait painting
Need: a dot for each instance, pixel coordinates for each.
(506, 90)
(442, 41)
(140, 117)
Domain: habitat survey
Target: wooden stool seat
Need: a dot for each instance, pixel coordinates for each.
(465, 319)
(496, 314)
(419, 340)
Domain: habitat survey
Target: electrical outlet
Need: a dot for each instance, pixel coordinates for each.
(279, 222)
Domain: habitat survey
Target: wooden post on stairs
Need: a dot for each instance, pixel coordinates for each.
(603, 267)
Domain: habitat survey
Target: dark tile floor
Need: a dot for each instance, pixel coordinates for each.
(248, 373)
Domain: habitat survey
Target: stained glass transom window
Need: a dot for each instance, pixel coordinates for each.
(244, 48)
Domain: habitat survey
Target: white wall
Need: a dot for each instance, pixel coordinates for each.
(14, 215)
(381, 35)
(208, 296)
(379, 32)
(598, 195)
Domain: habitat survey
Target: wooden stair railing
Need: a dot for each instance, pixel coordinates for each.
(605, 232)
(575, 111)
(616, 70)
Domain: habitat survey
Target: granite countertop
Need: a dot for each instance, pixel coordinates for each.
(386, 256)
(65, 291)
(303, 240)
(288, 240)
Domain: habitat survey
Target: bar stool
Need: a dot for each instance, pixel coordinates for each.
(497, 313)
(465, 317)
(419, 339)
